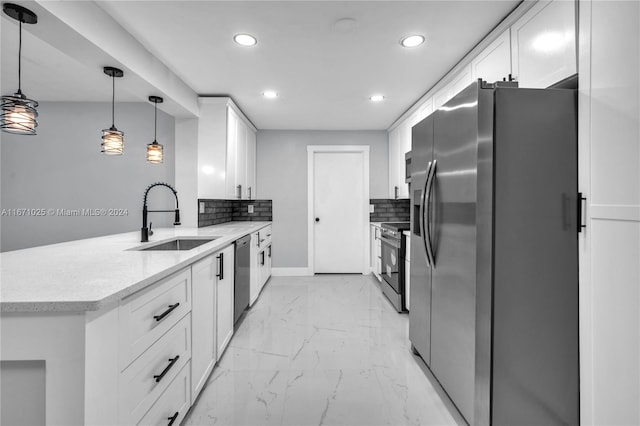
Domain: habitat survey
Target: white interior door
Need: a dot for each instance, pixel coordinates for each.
(339, 212)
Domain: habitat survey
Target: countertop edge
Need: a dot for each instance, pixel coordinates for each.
(82, 306)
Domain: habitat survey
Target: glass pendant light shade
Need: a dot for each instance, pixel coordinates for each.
(112, 141)
(18, 112)
(112, 138)
(155, 153)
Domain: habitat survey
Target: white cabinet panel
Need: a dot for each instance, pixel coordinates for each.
(241, 159)
(394, 160)
(461, 80)
(224, 298)
(425, 110)
(494, 63)
(250, 192)
(543, 44)
(615, 249)
(233, 124)
(203, 314)
(212, 149)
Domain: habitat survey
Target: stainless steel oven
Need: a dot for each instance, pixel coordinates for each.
(392, 256)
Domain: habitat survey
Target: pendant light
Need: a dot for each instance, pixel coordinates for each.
(154, 150)
(18, 112)
(112, 138)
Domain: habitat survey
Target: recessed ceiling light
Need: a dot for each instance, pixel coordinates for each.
(376, 98)
(245, 39)
(270, 94)
(412, 41)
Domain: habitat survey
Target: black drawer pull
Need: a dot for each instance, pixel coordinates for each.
(167, 312)
(172, 361)
(173, 418)
(220, 258)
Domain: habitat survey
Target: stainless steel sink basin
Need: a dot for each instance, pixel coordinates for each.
(180, 244)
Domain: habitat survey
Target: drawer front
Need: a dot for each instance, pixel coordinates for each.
(173, 404)
(264, 237)
(142, 383)
(146, 316)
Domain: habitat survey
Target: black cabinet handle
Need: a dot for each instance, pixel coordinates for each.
(172, 362)
(317, 219)
(167, 312)
(262, 257)
(269, 251)
(580, 200)
(173, 418)
(221, 266)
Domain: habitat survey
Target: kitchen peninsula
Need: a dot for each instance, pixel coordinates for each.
(108, 321)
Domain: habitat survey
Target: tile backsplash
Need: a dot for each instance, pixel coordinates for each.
(221, 211)
(390, 210)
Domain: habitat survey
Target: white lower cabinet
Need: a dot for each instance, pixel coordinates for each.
(224, 298)
(147, 377)
(203, 322)
(407, 271)
(173, 404)
(376, 248)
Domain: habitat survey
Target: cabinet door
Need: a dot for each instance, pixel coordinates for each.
(241, 159)
(250, 191)
(394, 140)
(203, 314)
(543, 44)
(461, 80)
(232, 149)
(404, 146)
(425, 109)
(224, 298)
(254, 285)
(407, 284)
(494, 63)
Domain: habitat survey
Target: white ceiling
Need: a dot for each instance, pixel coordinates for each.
(323, 72)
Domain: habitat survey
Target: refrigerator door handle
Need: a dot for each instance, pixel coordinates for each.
(423, 202)
(431, 177)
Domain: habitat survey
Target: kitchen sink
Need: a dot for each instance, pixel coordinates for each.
(179, 244)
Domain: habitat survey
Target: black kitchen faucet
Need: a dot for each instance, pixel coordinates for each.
(145, 231)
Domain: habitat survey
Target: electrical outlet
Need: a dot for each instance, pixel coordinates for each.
(371, 206)
(201, 207)
(250, 208)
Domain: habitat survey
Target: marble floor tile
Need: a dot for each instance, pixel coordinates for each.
(321, 350)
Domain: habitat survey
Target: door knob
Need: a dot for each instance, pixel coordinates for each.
(317, 219)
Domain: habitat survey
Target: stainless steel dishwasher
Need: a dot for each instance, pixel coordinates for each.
(242, 277)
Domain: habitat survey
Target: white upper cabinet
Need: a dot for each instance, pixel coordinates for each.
(425, 110)
(232, 153)
(250, 185)
(226, 151)
(543, 44)
(494, 63)
(461, 80)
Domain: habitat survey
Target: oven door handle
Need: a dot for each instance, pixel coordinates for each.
(393, 243)
(423, 200)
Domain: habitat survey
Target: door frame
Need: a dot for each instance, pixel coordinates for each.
(363, 150)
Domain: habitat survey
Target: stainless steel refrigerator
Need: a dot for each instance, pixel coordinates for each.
(494, 261)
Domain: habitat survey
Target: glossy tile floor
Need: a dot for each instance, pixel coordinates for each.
(322, 350)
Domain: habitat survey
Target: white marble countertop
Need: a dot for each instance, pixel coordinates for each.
(90, 274)
(378, 224)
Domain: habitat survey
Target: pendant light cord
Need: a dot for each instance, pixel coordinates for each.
(113, 101)
(155, 123)
(20, 56)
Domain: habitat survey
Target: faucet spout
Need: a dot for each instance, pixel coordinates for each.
(144, 232)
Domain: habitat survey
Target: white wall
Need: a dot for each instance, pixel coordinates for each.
(62, 168)
(609, 149)
(282, 177)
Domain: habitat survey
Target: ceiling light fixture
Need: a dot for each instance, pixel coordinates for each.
(18, 112)
(270, 94)
(412, 41)
(245, 39)
(155, 150)
(376, 98)
(112, 138)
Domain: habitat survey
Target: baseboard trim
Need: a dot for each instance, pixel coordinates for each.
(290, 272)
